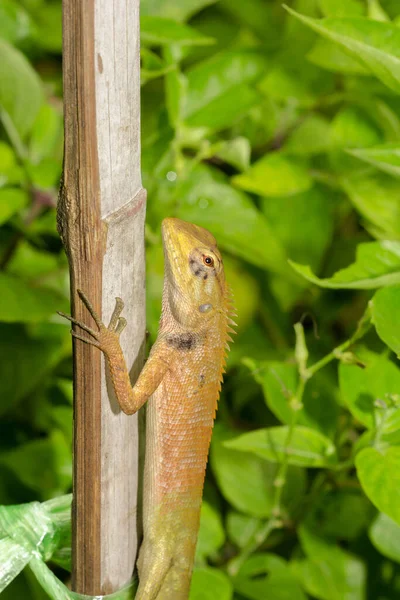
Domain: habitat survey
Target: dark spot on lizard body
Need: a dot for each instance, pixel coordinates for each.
(183, 341)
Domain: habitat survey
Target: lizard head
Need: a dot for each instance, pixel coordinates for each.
(194, 272)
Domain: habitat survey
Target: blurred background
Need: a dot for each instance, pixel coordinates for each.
(285, 146)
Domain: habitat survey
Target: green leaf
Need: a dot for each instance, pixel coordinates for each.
(375, 11)
(235, 152)
(377, 265)
(210, 584)
(311, 137)
(329, 56)
(180, 10)
(158, 31)
(385, 305)
(375, 44)
(385, 157)
(307, 447)
(275, 175)
(265, 576)
(384, 533)
(30, 263)
(351, 127)
(342, 8)
(247, 482)
(313, 209)
(175, 96)
(376, 196)
(47, 134)
(241, 528)
(328, 572)
(279, 382)
(341, 514)
(11, 201)
(211, 533)
(266, 20)
(15, 23)
(246, 292)
(25, 360)
(360, 388)
(206, 199)
(48, 19)
(152, 66)
(20, 302)
(21, 92)
(231, 73)
(378, 474)
(44, 465)
(281, 83)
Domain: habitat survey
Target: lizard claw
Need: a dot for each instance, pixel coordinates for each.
(90, 331)
(86, 340)
(105, 335)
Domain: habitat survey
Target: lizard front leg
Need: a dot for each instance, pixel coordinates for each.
(106, 339)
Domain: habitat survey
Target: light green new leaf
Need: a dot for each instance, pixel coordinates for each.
(20, 302)
(374, 43)
(307, 447)
(275, 174)
(210, 584)
(157, 31)
(11, 201)
(385, 308)
(378, 473)
(377, 265)
(21, 93)
(385, 157)
(375, 196)
(265, 576)
(213, 83)
(211, 532)
(360, 388)
(384, 533)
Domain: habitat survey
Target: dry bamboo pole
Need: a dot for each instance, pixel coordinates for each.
(101, 220)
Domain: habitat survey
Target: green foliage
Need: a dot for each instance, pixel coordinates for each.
(278, 130)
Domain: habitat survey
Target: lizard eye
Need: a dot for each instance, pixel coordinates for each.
(208, 261)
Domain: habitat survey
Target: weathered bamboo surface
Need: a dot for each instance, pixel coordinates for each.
(101, 219)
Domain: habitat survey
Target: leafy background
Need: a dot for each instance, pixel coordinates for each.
(280, 132)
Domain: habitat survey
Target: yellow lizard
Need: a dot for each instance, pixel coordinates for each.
(183, 377)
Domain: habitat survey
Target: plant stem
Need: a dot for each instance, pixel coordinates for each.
(296, 402)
